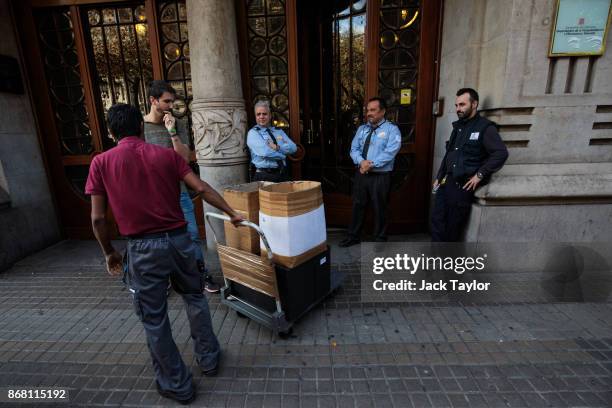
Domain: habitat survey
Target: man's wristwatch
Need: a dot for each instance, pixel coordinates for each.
(480, 175)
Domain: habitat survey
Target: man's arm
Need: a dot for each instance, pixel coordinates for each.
(287, 147)
(259, 148)
(498, 153)
(355, 151)
(100, 229)
(178, 134)
(497, 150)
(211, 196)
(441, 171)
(181, 148)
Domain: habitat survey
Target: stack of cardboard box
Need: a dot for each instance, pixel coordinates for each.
(244, 198)
(290, 214)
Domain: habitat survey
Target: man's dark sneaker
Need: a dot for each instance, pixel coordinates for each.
(347, 242)
(173, 396)
(380, 239)
(210, 285)
(212, 372)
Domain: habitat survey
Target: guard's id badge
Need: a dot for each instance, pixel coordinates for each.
(381, 134)
(474, 135)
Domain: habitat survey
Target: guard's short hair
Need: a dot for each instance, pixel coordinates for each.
(260, 104)
(472, 92)
(381, 102)
(124, 120)
(158, 87)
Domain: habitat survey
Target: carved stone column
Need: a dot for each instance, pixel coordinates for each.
(219, 127)
(219, 117)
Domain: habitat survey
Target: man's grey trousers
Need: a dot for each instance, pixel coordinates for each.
(152, 260)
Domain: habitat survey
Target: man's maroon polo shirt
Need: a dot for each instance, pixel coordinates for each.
(141, 182)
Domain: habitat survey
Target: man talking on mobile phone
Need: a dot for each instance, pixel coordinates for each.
(163, 129)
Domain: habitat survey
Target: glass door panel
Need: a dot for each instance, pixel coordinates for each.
(348, 24)
(119, 49)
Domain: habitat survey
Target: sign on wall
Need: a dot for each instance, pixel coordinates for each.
(580, 27)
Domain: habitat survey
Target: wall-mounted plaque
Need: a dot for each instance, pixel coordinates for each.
(580, 27)
(10, 75)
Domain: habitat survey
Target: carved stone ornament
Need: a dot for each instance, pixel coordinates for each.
(219, 129)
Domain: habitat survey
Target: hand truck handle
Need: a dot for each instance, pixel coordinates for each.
(245, 223)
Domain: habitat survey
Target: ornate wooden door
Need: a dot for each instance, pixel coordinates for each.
(344, 52)
(81, 59)
(372, 48)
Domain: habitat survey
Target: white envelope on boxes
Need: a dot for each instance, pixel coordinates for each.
(292, 217)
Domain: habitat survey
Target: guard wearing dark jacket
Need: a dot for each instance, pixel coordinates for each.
(474, 152)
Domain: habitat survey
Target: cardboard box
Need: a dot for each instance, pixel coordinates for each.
(244, 198)
(292, 217)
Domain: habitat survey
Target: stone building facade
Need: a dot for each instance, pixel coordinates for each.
(555, 114)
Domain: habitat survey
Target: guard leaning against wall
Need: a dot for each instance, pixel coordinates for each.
(474, 152)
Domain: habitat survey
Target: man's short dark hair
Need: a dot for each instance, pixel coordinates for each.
(472, 92)
(381, 102)
(124, 120)
(158, 87)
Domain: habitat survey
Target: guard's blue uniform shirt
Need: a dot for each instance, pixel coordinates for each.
(385, 142)
(262, 155)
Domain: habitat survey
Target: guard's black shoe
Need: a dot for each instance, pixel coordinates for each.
(347, 242)
(210, 285)
(173, 396)
(380, 239)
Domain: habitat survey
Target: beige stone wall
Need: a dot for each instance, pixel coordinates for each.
(27, 216)
(555, 114)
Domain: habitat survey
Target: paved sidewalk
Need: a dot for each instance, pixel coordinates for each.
(65, 323)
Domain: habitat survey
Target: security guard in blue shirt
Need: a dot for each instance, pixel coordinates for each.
(373, 151)
(269, 147)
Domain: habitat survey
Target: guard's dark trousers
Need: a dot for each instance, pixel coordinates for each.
(452, 206)
(152, 260)
(373, 187)
(273, 175)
